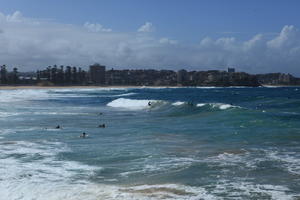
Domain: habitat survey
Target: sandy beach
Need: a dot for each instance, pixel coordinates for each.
(63, 87)
(114, 86)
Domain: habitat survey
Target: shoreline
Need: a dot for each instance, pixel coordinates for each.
(10, 87)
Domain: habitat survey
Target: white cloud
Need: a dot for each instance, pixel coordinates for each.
(147, 27)
(96, 27)
(256, 41)
(206, 42)
(287, 38)
(15, 17)
(32, 43)
(167, 41)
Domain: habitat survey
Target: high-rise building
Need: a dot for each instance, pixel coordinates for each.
(97, 74)
(182, 76)
(231, 70)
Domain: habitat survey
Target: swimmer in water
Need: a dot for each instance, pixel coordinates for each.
(190, 104)
(149, 103)
(101, 126)
(83, 135)
(57, 127)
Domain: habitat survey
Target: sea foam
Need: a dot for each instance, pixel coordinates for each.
(131, 104)
(178, 103)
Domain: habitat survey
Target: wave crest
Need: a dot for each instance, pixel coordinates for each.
(133, 104)
(140, 104)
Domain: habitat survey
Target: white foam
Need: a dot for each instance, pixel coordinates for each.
(248, 190)
(288, 160)
(169, 191)
(161, 87)
(88, 89)
(201, 104)
(22, 95)
(271, 86)
(32, 171)
(225, 106)
(222, 106)
(90, 191)
(178, 103)
(122, 95)
(7, 131)
(16, 95)
(59, 113)
(131, 104)
(207, 87)
(47, 177)
(163, 165)
(231, 159)
(7, 114)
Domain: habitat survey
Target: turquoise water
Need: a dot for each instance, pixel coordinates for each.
(191, 143)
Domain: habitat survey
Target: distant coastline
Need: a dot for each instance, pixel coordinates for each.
(98, 76)
(9, 87)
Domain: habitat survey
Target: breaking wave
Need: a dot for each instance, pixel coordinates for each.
(141, 104)
(134, 104)
(18, 95)
(32, 171)
(223, 106)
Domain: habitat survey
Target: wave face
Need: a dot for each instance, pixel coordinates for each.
(132, 104)
(168, 106)
(188, 143)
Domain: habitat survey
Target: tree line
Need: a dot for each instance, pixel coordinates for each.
(8, 77)
(53, 74)
(63, 75)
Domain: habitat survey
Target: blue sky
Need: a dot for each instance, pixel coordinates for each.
(179, 19)
(182, 23)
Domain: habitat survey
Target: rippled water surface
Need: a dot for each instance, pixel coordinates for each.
(190, 143)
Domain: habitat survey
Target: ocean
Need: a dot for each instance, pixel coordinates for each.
(190, 143)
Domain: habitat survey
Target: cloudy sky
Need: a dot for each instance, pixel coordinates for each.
(253, 36)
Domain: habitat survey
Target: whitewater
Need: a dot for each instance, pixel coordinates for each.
(158, 143)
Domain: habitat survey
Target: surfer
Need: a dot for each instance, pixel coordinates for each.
(149, 103)
(57, 127)
(101, 126)
(83, 135)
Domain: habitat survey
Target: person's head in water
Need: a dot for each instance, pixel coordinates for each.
(58, 127)
(83, 135)
(101, 126)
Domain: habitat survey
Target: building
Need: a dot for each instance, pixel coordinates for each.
(97, 74)
(231, 70)
(182, 77)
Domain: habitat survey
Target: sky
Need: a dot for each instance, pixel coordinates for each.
(254, 36)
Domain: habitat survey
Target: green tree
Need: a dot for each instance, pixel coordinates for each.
(3, 73)
(15, 77)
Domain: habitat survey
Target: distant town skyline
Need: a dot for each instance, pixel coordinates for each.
(252, 36)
